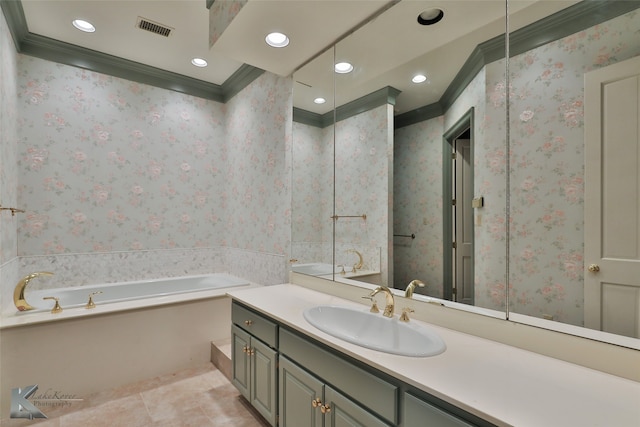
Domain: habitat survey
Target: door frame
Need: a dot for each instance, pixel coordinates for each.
(448, 142)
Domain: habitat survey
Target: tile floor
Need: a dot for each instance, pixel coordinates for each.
(199, 397)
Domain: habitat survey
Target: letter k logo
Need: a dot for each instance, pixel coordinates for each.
(21, 407)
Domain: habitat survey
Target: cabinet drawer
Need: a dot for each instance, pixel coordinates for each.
(370, 391)
(418, 413)
(259, 326)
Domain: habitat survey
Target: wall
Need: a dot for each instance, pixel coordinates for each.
(547, 178)
(312, 195)
(363, 164)
(8, 156)
(417, 205)
(126, 181)
(363, 177)
(418, 193)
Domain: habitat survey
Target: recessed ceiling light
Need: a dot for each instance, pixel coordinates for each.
(83, 25)
(277, 40)
(319, 100)
(343, 67)
(430, 17)
(419, 78)
(199, 62)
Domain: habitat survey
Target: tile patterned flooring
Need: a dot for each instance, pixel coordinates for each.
(199, 397)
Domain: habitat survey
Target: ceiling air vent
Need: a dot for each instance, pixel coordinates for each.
(154, 27)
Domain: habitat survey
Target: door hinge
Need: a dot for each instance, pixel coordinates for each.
(454, 156)
(453, 202)
(454, 291)
(454, 245)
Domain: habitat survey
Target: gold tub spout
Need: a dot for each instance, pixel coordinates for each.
(18, 292)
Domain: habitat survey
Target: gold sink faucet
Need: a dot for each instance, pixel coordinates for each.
(360, 263)
(18, 292)
(408, 293)
(388, 309)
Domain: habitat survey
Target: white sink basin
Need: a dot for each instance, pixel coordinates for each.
(374, 331)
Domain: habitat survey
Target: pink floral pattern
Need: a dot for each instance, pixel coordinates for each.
(547, 176)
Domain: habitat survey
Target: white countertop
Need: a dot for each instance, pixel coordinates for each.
(502, 384)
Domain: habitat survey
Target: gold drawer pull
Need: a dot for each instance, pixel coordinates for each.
(248, 322)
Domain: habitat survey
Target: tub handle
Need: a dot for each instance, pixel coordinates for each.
(56, 308)
(90, 303)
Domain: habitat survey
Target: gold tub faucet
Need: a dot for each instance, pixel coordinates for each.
(360, 263)
(18, 292)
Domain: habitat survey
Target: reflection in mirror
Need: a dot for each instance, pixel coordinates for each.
(565, 212)
(312, 154)
(464, 66)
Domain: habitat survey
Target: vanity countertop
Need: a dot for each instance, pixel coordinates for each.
(502, 384)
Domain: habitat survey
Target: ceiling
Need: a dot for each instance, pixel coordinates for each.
(386, 51)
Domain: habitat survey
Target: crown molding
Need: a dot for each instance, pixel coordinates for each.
(571, 20)
(66, 53)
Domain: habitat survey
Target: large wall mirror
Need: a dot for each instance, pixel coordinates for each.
(378, 165)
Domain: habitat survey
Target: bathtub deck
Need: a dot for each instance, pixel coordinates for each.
(199, 396)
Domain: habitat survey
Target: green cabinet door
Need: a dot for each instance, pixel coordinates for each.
(300, 396)
(254, 372)
(418, 413)
(343, 412)
(263, 380)
(240, 374)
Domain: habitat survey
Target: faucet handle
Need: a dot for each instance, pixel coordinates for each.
(90, 303)
(374, 304)
(404, 317)
(56, 308)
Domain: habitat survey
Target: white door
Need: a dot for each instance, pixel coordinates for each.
(463, 212)
(612, 199)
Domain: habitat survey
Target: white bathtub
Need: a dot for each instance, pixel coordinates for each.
(128, 291)
(117, 297)
(138, 330)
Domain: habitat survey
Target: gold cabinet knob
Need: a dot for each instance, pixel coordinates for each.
(594, 268)
(325, 409)
(316, 402)
(248, 322)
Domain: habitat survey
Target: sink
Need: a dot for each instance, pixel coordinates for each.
(374, 331)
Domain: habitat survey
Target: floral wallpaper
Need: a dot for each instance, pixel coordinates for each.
(362, 167)
(117, 177)
(547, 176)
(417, 206)
(363, 178)
(418, 194)
(312, 195)
(8, 169)
(110, 165)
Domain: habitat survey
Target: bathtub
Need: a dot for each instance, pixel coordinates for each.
(128, 291)
(138, 330)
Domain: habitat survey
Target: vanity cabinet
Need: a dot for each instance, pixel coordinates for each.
(254, 360)
(307, 401)
(317, 386)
